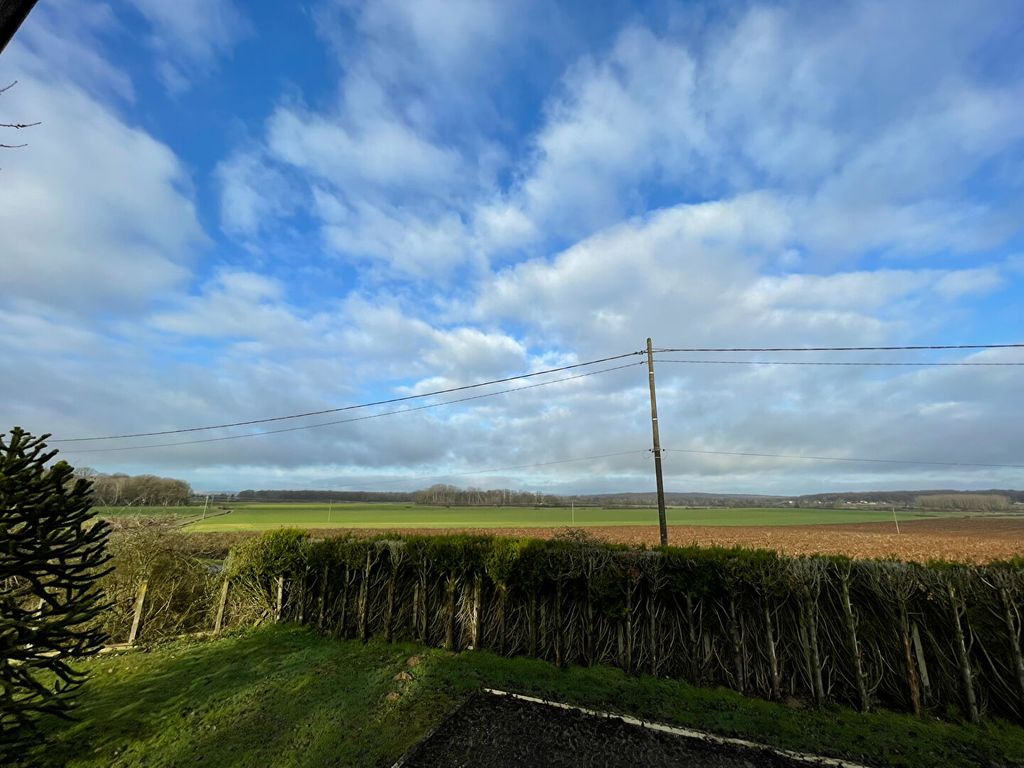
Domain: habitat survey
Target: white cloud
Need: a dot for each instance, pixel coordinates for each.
(871, 141)
(970, 282)
(407, 243)
(361, 150)
(237, 305)
(670, 187)
(448, 34)
(255, 195)
(94, 212)
(623, 119)
(188, 36)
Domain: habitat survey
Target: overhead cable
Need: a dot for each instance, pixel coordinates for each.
(822, 362)
(840, 349)
(353, 419)
(388, 401)
(844, 458)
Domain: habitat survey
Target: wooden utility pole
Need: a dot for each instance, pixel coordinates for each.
(662, 522)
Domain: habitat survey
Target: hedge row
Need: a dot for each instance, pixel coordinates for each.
(905, 636)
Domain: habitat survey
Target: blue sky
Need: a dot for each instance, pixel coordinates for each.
(233, 211)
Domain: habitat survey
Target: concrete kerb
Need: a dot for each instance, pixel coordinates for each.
(687, 733)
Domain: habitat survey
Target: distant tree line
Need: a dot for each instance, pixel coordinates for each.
(321, 496)
(120, 490)
(674, 499)
(452, 496)
(898, 498)
(967, 502)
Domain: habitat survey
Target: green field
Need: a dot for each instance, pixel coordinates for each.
(258, 517)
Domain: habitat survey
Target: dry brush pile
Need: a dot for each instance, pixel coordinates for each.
(825, 629)
(179, 583)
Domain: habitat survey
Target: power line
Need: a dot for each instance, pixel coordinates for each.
(839, 349)
(821, 362)
(465, 387)
(349, 421)
(389, 401)
(847, 458)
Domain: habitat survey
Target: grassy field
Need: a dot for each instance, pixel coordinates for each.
(266, 516)
(165, 512)
(284, 696)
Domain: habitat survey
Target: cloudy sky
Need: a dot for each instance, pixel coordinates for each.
(233, 211)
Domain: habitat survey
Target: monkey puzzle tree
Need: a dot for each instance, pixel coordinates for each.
(51, 554)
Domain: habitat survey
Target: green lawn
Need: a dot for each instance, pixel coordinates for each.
(266, 516)
(284, 696)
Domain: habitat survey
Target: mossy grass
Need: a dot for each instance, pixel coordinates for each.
(285, 696)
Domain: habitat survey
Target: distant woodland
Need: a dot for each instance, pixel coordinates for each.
(136, 490)
(125, 490)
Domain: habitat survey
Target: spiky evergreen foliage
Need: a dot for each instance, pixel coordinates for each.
(51, 554)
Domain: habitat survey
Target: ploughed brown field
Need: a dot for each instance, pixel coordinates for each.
(968, 539)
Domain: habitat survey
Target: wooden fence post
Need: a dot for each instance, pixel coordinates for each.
(628, 660)
(559, 629)
(1011, 631)
(323, 598)
(913, 686)
(652, 618)
(342, 629)
(737, 647)
(140, 601)
(696, 668)
(922, 667)
(279, 604)
(477, 610)
(773, 658)
(363, 617)
(389, 603)
(588, 641)
(851, 632)
(502, 595)
(534, 624)
(449, 633)
(966, 674)
(423, 628)
(219, 623)
(302, 595)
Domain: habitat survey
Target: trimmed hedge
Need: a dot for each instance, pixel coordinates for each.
(939, 637)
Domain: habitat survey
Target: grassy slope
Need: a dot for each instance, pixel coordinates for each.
(265, 516)
(283, 696)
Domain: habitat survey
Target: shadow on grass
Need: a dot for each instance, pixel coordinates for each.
(275, 697)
